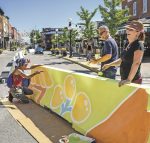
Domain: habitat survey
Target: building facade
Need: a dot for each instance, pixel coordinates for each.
(138, 9)
(8, 34)
(46, 35)
(1, 30)
(5, 32)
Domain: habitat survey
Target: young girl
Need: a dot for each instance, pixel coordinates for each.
(19, 89)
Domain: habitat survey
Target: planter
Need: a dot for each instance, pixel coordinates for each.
(57, 52)
(1, 51)
(53, 52)
(64, 53)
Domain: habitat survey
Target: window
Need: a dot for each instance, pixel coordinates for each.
(144, 6)
(126, 7)
(134, 9)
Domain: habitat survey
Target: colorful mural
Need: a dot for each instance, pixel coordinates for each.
(95, 106)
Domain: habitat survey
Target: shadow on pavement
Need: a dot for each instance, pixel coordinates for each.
(50, 124)
(57, 63)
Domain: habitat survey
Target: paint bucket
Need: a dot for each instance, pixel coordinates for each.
(3, 81)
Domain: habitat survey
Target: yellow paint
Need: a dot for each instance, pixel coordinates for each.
(69, 86)
(58, 97)
(82, 108)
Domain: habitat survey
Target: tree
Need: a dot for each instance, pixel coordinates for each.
(53, 40)
(35, 36)
(113, 15)
(86, 16)
(74, 34)
(1, 11)
(63, 38)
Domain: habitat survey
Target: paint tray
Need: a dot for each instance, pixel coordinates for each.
(77, 138)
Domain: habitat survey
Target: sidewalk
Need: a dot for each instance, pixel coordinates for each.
(82, 62)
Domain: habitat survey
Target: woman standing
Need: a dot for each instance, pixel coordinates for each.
(131, 57)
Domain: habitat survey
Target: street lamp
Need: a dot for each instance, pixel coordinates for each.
(56, 30)
(34, 38)
(70, 34)
(0, 38)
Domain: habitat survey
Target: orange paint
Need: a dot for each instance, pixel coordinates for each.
(129, 124)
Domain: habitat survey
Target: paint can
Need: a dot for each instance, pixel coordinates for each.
(3, 81)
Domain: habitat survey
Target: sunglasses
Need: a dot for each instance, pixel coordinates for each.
(101, 32)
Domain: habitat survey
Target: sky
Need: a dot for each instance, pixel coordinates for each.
(26, 15)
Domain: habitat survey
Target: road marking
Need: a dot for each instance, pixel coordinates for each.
(26, 122)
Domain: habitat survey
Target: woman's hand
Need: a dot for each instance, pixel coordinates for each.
(123, 82)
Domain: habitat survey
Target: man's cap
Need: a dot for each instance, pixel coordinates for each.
(136, 25)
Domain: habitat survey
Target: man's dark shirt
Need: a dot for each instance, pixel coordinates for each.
(110, 47)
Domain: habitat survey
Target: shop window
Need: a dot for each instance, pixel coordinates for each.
(144, 6)
(134, 9)
(126, 7)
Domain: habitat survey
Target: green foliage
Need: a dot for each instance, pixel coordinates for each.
(1, 11)
(113, 15)
(14, 48)
(53, 40)
(35, 37)
(64, 37)
(86, 16)
(74, 34)
(89, 32)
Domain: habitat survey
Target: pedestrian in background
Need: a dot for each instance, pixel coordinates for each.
(109, 52)
(89, 52)
(131, 57)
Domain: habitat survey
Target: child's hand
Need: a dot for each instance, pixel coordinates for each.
(38, 72)
(28, 60)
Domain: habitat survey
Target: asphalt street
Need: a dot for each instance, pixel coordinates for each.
(54, 61)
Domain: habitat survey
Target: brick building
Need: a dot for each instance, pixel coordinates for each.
(138, 9)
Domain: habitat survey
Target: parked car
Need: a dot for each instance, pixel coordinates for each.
(39, 50)
(30, 49)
